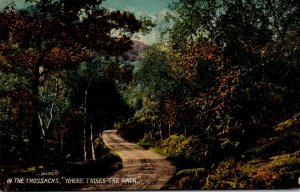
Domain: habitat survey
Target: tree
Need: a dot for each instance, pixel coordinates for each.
(154, 73)
(14, 117)
(54, 35)
(158, 84)
(240, 81)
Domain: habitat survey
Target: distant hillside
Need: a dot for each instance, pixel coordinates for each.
(133, 54)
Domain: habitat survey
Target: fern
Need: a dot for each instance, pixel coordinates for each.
(286, 138)
(292, 123)
(191, 172)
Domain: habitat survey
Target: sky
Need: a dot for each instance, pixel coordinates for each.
(19, 3)
(148, 6)
(156, 9)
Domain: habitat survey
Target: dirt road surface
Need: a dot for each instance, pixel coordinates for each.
(142, 169)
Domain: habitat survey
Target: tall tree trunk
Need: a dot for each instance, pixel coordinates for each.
(153, 129)
(36, 143)
(151, 135)
(160, 129)
(61, 140)
(170, 125)
(92, 140)
(42, 125)
(89, 80)
(43, 131)
(84, 126)
(51, 114)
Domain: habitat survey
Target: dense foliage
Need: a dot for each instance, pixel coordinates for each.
(222, 94)
(219, 96)
(58, 86)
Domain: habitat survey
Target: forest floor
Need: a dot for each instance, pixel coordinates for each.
(142, 169)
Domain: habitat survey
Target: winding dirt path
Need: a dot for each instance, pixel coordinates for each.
(142, 169)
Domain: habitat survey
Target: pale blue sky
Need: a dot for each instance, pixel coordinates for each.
(156, 9)
(19, 3)
(149, 6)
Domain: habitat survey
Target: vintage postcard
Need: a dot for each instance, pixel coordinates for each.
(126, 95)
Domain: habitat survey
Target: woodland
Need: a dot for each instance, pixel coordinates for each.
(218, 95)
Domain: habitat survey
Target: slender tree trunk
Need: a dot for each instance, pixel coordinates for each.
(84, 145)
(84, 126)
(170, 124)
(89, 80)
(160, 129)
(51, 114)
(92, 140)
(43, 131)
(151, 135)
(42, 125)
(53, 104)
(153, 128)
(36, 143)
(61, 140)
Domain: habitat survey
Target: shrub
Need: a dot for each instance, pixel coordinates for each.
(192, 150)
(146, 142)
(105, 157)
(227, 176)
(278, 172)
(132, 130)
(176, 146)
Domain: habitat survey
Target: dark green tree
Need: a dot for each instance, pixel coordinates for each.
(158, 86)
(253, 48)
(53, 35)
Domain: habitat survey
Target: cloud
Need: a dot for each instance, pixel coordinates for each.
(129, 9)
(20, 4)
(151, 38)
(154, 35)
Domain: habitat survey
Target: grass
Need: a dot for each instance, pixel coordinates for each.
(154, 146)
(159, 150)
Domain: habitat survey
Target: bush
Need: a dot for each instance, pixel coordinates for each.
(176, 146)
(278, 172)
(190, 178)
(132, 130)
(106, 157)
(191, 150)
(146, 142)
(227, 176)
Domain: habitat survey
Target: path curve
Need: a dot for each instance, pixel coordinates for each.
(142, 169)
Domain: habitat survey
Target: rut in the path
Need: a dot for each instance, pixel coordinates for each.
(142, 169)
